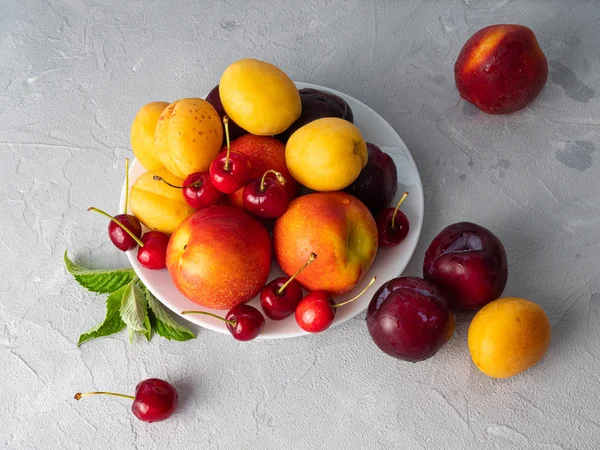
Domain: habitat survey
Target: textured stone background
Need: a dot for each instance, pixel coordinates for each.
(72, 75)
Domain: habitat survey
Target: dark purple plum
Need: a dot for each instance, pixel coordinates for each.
(317, 105)
(235, 131)
(377, 183)
(409, 319)
(467, 262)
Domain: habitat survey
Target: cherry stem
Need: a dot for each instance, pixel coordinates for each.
(118, 222)
(233, 323)
(79, 395)
(126, 185)
(226, 125)
(396, 210)
(195, 184)
(354, 298)
(311, 258)
(279, 177)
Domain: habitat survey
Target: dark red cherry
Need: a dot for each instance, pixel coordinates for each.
(244, 322)
(198, 190)
(153, 255)
(392, 225)
(266, 197)
(124, 230)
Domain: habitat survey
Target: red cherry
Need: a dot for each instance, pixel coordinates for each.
(124, 230)
(281, 296)
(153, 254)
(154, 400)
(392, 225)
(266, 197)
(198, 190)
(230, 170)
(244, 322)
(316, 311)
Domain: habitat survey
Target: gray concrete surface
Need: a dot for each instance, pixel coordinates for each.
(72, 75)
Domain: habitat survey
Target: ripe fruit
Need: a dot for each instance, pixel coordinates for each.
(158, 206)
(198, 190)
(142, 134)
(508, 336)
(501, 69)
(316, 311)
(153, 254)
(259, 97)
(229, 171)
(377, 183)
(326, 154)
(235, 131)
(188, 136)
(219, 257)
(266, 197)
(154, 400)
(467, 262)
(392, 225)
(265, 153)
(280, 297)
(316, 105)
(244, 322)
(338, 228)
(409, 319)
(124, 230)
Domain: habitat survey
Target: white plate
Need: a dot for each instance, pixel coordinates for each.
(388, 264)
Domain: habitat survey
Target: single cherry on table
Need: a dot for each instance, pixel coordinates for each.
(281, 296)
(266, 197)
(154, 400)
(316, 311)
(230, 170)
(244, 322)
(392, 225)
(198, 190)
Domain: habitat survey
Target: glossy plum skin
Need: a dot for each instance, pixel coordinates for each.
(235, 131)
(409, 319)
(318, 104)
(315, 312)
(501, 69)
(155, 400)
(467, 262)
(269, 203)
(119, 236)
(377, 183)
(391, 236)
(279, 306)
(199, 191)
(249, 322)
(229, 181)
(153, 255)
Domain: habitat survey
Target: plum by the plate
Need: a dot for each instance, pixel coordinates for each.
(377, 183)
(318, 104)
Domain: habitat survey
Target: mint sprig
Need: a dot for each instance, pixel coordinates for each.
(127, 305)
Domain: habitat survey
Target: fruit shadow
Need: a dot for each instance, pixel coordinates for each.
(186, 389)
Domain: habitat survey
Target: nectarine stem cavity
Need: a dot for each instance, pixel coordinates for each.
(279, 177)
(230, 322)
(356, 297)
(396, 210)
(118, 222)
(311, 258)
(226, 125)
(126, 186)
(79, 395)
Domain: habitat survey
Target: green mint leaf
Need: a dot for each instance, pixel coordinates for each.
(112, 322)
(148, 328)
(134, 310)
(101, 281)
(164, 324)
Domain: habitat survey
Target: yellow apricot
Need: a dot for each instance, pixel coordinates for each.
(142, 134)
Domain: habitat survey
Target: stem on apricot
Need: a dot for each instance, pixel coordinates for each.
(354, 298)
(279, 177)
(195, 184)
(396, 210)
(233, 323)
(79, 395)
(226, 125)
(311, 258)
(126, 185)
(118, 222)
